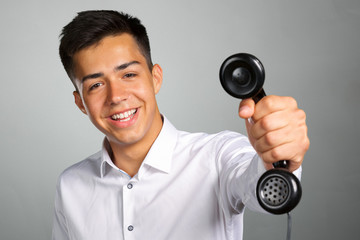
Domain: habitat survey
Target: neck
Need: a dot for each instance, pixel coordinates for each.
(129, 157)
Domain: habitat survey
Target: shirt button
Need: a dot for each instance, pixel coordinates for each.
(130, 228)
(130, 186)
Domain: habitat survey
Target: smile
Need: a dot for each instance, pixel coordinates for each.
(125, 116)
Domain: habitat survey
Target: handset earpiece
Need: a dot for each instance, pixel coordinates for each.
(242, 76)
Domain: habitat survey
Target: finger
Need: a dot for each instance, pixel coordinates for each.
(271, 103)
(246, 108)
(275, 138)
(283, 152)
(271, 122)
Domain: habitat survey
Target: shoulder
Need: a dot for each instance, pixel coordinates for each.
(215, 138)
(77, 182)
(201, 138)
(83, 169)
(215, 142)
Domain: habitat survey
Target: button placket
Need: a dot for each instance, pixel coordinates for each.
(128, 210)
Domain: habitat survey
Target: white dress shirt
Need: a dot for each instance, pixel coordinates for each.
(190, 186)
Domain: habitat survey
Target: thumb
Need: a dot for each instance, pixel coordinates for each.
(246, 108)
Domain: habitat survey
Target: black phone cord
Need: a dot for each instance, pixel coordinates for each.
(289, 223)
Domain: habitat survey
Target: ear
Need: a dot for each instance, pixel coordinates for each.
(157, 77)
(79, 102)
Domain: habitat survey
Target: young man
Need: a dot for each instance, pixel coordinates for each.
(151, 181)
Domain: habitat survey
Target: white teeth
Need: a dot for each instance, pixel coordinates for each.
(125, 116)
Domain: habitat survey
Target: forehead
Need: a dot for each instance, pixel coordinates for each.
(109, 52)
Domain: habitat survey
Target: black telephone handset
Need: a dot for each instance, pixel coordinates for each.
(242, 76)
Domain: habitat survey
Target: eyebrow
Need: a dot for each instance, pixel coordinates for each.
(116, 69)
(125, 65)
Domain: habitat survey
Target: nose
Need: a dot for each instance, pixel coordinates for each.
(116, 92)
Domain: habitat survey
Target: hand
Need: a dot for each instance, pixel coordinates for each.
(277, 131)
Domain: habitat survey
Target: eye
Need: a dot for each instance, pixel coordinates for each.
(94, 86)
(130, 75)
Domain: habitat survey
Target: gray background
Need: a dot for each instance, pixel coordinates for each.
(310, 50)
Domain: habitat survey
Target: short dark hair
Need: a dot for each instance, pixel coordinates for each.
(90, 27)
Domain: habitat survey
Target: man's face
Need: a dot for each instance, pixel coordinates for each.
(117, 90)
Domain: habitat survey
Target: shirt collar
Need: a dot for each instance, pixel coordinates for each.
(158, 157)
(106, 161)
(160, 153)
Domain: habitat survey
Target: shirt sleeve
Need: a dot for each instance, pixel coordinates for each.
(240, 170)
(248, 182)
(60, 230)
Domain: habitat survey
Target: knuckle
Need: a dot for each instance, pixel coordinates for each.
(304, 140)
(301, 131)
(268, 102)
(276, 154)
(291, 101)
(301, 114)
(266, 158)
(269, 139)
(306, 144)
(265, 123)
